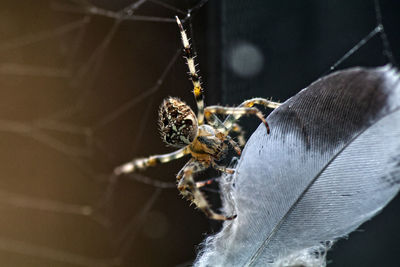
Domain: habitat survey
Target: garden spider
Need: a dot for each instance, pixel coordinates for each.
(205, 142)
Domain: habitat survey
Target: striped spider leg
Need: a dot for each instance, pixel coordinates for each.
(237, 111)
(234, 113)
(229, 122)
(193, 75)
(246, 108)
(144, 163)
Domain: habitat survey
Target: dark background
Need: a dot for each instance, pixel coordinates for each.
(77, 101)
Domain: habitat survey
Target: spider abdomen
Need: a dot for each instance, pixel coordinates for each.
(177, 122)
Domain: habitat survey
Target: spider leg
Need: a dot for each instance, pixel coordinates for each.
(205, 182)
(260, 101)
(230, 120)
(221, 168)
(143, 163)
(234, 144)
(193, 75)
(214, 121)
(236, 111)
(140, 164)
(238, 129)
(188, 188)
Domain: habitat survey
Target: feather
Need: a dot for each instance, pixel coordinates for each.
(331, 162)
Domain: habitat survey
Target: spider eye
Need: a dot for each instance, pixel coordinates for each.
(177, 122)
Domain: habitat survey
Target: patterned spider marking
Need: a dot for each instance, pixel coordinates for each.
(177, 122)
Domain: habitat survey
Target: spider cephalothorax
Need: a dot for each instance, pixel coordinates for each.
(177, 122)
(205, 142)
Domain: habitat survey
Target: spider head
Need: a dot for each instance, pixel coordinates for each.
(177, 122)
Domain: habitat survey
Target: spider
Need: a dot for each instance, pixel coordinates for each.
(205, 142)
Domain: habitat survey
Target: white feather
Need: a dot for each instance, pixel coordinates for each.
(331, 162)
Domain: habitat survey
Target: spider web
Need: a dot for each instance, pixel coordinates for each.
(81, 83)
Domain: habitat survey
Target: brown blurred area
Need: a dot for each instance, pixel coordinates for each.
(79, 95)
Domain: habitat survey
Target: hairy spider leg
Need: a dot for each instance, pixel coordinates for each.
(187, 187)
(236, 128)
(214, 121)
(222, 168)
(237, 112)
(143, 163)
(260, 101)
(234, 145)
(193, 74)
(230, 120)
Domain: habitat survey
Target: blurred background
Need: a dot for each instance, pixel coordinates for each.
(80, 86)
